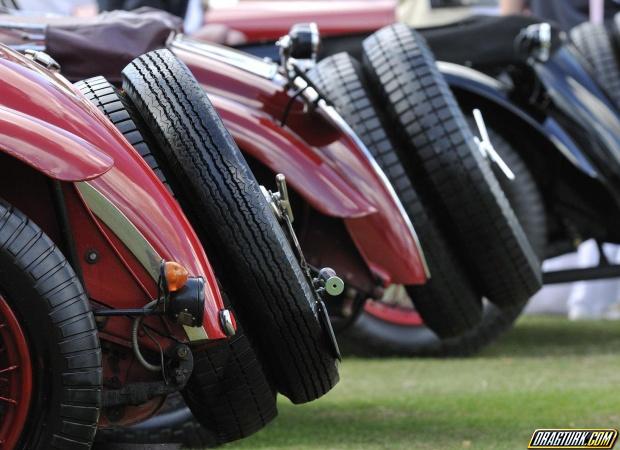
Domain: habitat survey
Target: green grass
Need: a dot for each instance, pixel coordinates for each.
(547, 372)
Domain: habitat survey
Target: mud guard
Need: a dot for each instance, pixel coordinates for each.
(464, 80)
(56, 153)
(386, 248)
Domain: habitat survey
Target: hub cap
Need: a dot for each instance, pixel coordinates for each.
(15, 377)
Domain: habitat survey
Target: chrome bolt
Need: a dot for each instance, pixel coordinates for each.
(92, 256)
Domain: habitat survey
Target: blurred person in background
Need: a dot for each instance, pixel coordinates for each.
(191, 11)
(58, 7)
(432, 13)
(565, 13)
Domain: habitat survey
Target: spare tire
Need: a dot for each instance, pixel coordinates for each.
(228, 385)
(447, 168)
(448, 302)
(372, 335)
(595, 43)
(220, 195)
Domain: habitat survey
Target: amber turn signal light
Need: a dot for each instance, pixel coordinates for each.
(176, 276)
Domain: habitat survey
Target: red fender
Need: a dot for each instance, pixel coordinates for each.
(129, 190)
(322, 187)
(322, 163)
(48, 149)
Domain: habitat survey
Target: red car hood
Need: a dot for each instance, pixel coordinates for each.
(268, 20)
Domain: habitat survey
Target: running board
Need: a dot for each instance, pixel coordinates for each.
(602, 272)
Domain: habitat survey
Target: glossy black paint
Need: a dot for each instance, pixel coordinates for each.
(566, 129)
(561, 122)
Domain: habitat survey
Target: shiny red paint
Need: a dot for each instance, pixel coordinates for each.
(407, 317)
(130, 185)
(252, 108)
(15, 377)
(261, 21)
(306, 172)
(49, 149)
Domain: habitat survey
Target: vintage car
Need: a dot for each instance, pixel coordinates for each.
(345, 191)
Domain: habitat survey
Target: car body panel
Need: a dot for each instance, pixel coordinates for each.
(261, 21)
(579, 101)
(464, 79)
(130, 185)
(49, 149)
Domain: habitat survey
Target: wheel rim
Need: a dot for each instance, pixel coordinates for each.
(15, 377)
(394, 314)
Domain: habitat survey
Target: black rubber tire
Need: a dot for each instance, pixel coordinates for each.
(446, 167)
(372, 336)
(45, 294)
(228, 385)
(594, 42)
(448, 302)
(254, 260)
(221, 377)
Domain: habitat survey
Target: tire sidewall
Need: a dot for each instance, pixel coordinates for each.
(47, 361)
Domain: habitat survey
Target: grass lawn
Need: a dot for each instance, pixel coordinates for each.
(546, 373)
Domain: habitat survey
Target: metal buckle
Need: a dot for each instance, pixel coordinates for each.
(486, 146)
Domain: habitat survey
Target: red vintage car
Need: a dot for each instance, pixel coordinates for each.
(108, 302)
(267, 99)
(343, 198)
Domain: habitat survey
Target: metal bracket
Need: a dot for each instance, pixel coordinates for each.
(43, 59)
(178, 370)
(327, 283)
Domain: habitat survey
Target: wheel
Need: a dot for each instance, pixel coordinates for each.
(447, 168)
(448, 302)
(375, 333)
(50, 360)
(228, 385)
(594, 42)
(213, 183)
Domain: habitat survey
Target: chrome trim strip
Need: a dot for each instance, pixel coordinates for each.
(129, 235)
(235, 58)
(330, 113)
(122, 228)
